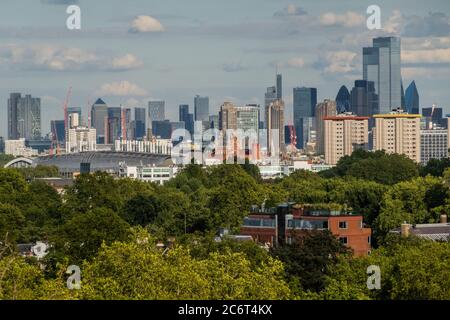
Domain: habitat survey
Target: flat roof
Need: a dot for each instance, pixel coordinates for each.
(397, 115)
(346, 118)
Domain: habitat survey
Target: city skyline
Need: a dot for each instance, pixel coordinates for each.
(109, 57)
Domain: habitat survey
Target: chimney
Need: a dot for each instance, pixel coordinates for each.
(443, 218)
(405, 229)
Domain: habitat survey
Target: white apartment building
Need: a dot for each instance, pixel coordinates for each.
(17, 148)
(398, 132)
(81, 139)
(344, 133)
(155, 146)
(433, 144)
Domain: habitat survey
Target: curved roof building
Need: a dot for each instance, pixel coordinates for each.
(102, 161)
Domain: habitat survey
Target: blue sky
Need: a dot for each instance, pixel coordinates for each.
(128, 52)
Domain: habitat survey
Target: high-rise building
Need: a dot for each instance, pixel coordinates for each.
(305, 100)
(398, 132)
(381, 64)
(433, 144)
(201, 108)
(156, 111)
(140, 118)
(58, 131)
(99, 120)
(327, 108)
(433, 116)
(412, 98)
(235, 117)
(162, 129)
(270, 95)
(77, 110)
(186, 117)
(13, 100)
(279, 87)
(343, 100)
(275, 127)
(364, 100)
(248, 118)
(403, 103)
(81, 139)
(227, 116)
(214, 121)
(24, 117)
(344, 134)
(114, 124)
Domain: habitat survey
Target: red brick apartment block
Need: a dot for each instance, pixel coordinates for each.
(275, 226)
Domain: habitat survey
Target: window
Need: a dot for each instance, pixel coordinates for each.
(368, 239)
(342, 224)
(343, 240)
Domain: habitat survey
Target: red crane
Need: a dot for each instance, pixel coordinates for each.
(293, 136)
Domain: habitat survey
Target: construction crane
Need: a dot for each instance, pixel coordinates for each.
(293, 136)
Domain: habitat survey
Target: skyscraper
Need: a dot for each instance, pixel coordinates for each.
(58, 131)
(99, 119)
(139, 123)
(29, 117)
(235, 117)
(156, 111)
(76, 110)
(275, 127)
(412, 98)
(364, 100)
(162, 129)
(201, 108)
(305, 100)
(327, 108)
(403, 103)
(186, 117)
(13, 100)
(381, 64)
(279, 86)
(343, 100)
(114, 124)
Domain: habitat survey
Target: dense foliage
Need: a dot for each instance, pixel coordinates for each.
(110, 228)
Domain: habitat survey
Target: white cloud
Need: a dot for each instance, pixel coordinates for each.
(339, 62)
(133, 103)
(290, 10)
(59, 58)
(296, 62)
(121, 88)
(347, 19)
(412, 44)
(426, 56)
(146, 24)
(395, 23)
(128, 61)
(424, 72)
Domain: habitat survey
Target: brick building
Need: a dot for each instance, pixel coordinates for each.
(275, 225)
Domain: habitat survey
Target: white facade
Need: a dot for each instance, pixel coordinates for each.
(343, 134)
(17, 148)
(155, 174)
(155, 146)
(398, 132)
(81, 140)
(433, 144)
